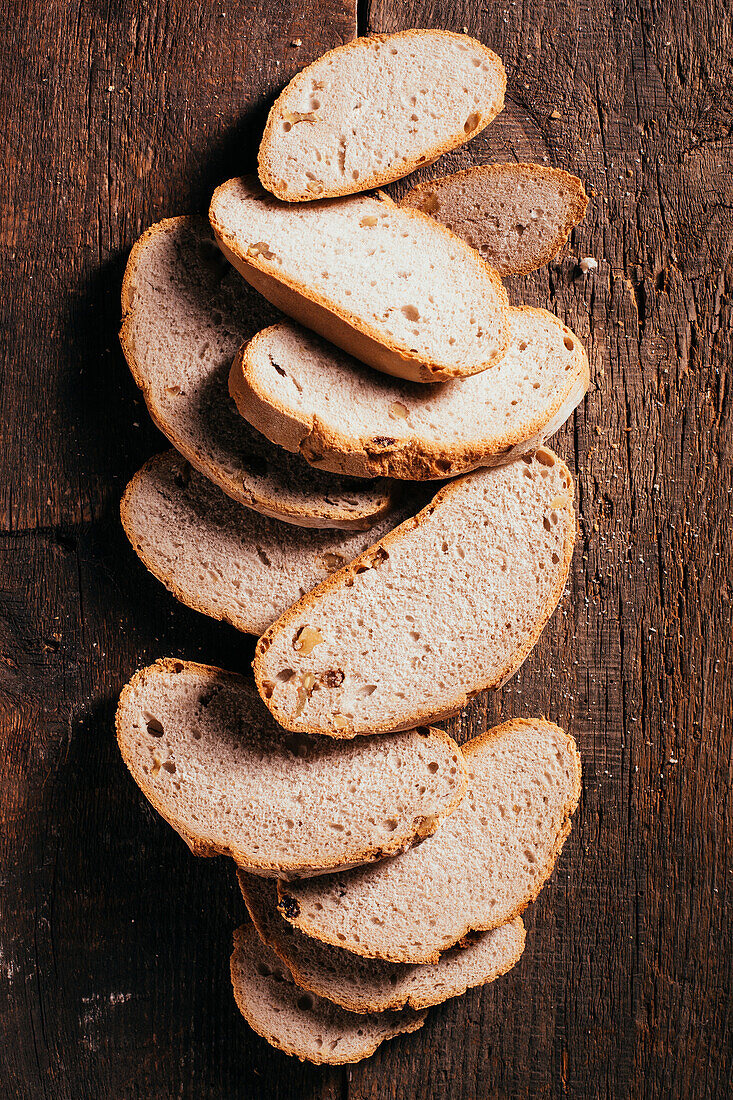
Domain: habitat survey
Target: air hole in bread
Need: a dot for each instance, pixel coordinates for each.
(285, 674)
(263, 970)
(545, 457)
(568, 343)
(305, 1002)
(522, 346)
(412, 313)
(433, 767)
(471, 122)
(153, 726)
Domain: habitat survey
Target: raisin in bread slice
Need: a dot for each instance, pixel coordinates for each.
(310, 397)
(208, 757)
(185, 313)
(388, 285)
(518, 216)
(373, 985)
(448, 604)
(224, 560)
(480, 870)
(298, 1023)
(376, 109)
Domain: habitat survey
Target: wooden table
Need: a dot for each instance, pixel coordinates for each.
(114, 940)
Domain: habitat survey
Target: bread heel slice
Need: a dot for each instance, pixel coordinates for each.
(370, 277)
(448, 604)
(298, 1023)
(208, 757)
(429, 91)
(479, 871)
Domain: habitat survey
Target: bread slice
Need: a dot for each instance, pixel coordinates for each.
(208, 757)
(372, 985)
(298, 1023)
(185, 314)
(308, 396)
(448, 604)
(480, 870)
(376, 109)
(389, 285)
(224, 560)
(518, 216)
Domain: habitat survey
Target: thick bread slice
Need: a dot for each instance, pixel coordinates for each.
(208, 756)
(376, 109)
(518, 216)
(185, 313)
(448, 604)
(389, 285)
(224, 560)
(308, 396)
(480, 870)
(298, 1023)
(372, 985)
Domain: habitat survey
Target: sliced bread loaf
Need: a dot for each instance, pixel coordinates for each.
(373, 985)
(308, 396)
(480, 870)
(375, 109)
(449, 603)
(185, 313)
(224, 560)
(298, 1023)
(389, 285)
(518, 216)
(207, 755)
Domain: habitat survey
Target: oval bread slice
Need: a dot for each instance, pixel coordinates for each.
(297, 1023)
(448, 604)
(224, 560)
(208, 757)
(518, 216)
(185, 313)
(480, 870)
(373, 985)
(388, 285)
(310, 397)
(376, 109)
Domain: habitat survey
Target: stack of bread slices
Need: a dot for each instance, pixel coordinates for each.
(359, 478)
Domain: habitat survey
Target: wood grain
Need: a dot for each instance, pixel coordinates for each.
(114, 941)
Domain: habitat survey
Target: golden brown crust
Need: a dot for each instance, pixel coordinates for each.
(378, 179)
(352, 333)
(420, 717)
(577, 202)
(412, 459)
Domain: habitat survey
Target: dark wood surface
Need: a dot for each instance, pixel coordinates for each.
(114, 940)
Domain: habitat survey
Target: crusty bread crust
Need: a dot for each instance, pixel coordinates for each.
(319, 515)
(410, 459)
(336, 580)
(345, 329)
(577, 202)
(468, 750)
(430, 153)
(201, 845)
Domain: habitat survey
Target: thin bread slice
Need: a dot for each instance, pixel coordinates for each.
(373, 985)
(309, 397)
(185, 313)
(297, 1023)
(209, 758)
(480, 870)
(518, 216)
(224, 560)
(376, 109)
(388, 285)
(448, 604)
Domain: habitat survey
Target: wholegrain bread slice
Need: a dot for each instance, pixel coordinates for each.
(373, 985)
(390, 286)
(185, 313)
(207, 755)
(310, 397)
(518, 216)
(376, 109)
(226, 561)
(448, 604)
(297, 1023)
(480, 870)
